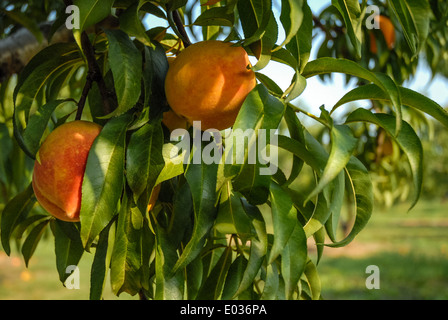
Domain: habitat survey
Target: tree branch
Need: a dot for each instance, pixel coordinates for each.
(17, 49)
(180, 27)
(93, 74)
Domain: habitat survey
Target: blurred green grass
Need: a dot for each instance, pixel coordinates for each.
(410, 250)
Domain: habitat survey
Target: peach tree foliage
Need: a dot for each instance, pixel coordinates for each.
(217, 231)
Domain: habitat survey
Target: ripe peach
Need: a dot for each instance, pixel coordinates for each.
(172, 121)
(208, 82)
(59, 168)
(388, 30)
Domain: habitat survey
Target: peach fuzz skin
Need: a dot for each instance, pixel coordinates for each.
(59, 168)
(208, 82)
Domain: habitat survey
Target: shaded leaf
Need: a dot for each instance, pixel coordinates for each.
(284, 219)
(67, 245)
(103, 179)
(126, 64)
(407, 139)
(15, 210)
(32, 240)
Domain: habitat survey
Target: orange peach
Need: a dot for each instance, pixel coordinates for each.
(208, 82)
(59, 168)
(388, 30)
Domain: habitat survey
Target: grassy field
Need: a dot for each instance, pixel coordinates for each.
(410, 250)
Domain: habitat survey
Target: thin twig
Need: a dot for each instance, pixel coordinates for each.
(312, 116)
(85, 92)
(93, 74)
(180, 27)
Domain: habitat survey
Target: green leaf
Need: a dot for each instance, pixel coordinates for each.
(101, 262)
(343, 144)
(41, 69)
(421, 13)
(353, 19)
(168, 241)
(407, 139)
(414, 18)
(313, 280)
(300, 150)
(284, 219)
(362, 189)
(320, 215)
(260, 110)
(7, 146)
(215, 16)
(231, 218)
(144, 159)
(127, 257)
(263, 48)
(168, 286)
(92, 11)
(294, 258)
(173, 163)
(214, 283)
(253, 185)
(337, 190)
(254, 16)
(291, 17)
(67, 246)
(32, 240)
(271, 85)
(126, 64)
(15, 210)
(131, 24)
(258, 248)
(329, 65)
(103, 179)
(202, 181)
(234, 276)
(37, 124)
(271, 286)
(295, 130)
(409, 98)
(296, 88)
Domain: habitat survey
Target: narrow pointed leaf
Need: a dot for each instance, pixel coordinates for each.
(32, 240)
(103, 179)
(294, 258)
(409, 98)
(342, 145)
(126, 64)
(351, 13)
(362, 189)
(202, 181)
(15, 210)
(67, 245)
(407, 139)
(284, 219)
(330, 65)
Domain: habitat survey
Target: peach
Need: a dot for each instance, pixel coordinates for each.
(173, 121)
(208, 82)
(59, 168)
(388, 30)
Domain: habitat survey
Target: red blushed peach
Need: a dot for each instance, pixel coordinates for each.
(59, 168)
